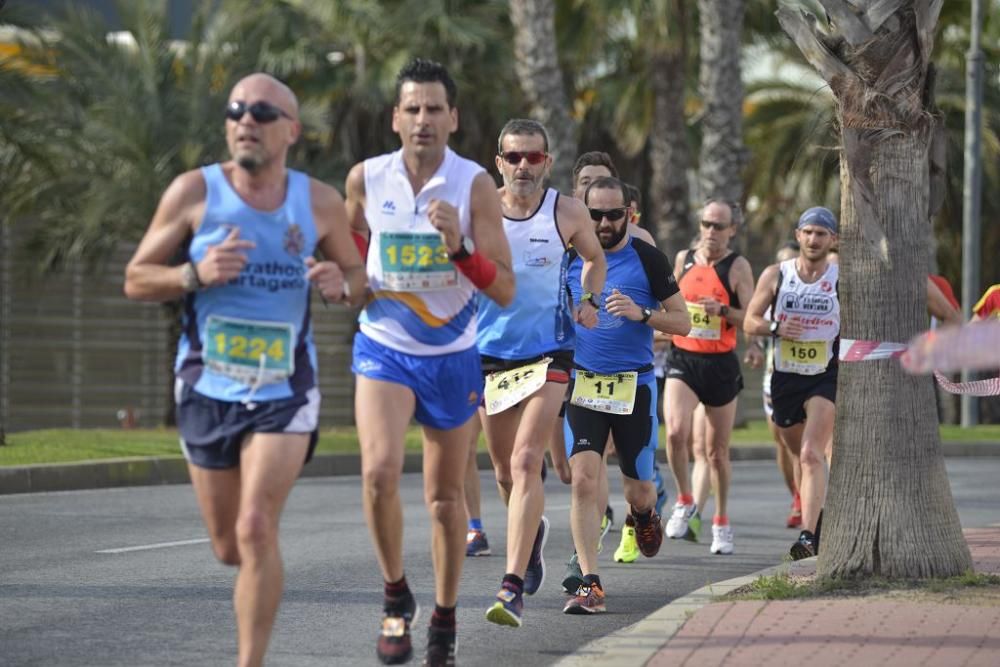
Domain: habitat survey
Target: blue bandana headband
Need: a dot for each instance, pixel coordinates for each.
(819, 216)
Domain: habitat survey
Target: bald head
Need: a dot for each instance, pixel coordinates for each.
(264, 87)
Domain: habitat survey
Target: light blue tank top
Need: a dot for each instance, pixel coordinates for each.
(537, 321)
(239, 320)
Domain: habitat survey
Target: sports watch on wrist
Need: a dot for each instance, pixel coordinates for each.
(723, 310)
(189, 278)
(646, 314)
(589, 297)
(465, 249)
(773, 328)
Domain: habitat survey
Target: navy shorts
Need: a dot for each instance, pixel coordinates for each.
(636, 435)
(790, 391)
(212, 431)
(447, 387)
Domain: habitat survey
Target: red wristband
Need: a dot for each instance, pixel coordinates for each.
(478, 269)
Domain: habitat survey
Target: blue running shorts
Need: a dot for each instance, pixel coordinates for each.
(448, 387)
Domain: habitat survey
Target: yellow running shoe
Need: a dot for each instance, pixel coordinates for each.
(628, 548)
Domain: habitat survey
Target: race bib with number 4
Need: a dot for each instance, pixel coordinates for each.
(613, 393)
(703, 325)
(249, 351)
(505, 389)
(805, 357)
(414, 261)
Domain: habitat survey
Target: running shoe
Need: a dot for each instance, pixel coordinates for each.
(804, 547)
(606, 524)
(508, 608)
(677, 525)
(722, 540)
(628, 548)
(442, 645)
(795, 516)
(648, 534)
(534, 575)
(693, 533)
(661, 489)
(395, 645)
(573, 578)
(588, 599)
(476, 543)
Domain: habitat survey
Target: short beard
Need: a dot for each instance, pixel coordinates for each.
(521, 189)
(616, 239)
(249, 162)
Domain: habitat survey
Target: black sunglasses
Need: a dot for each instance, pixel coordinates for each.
(612, 214)
(261, 112)
(515, 157)
(717, 226)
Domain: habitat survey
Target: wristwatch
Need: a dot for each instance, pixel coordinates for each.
(723, 310)
(465, 249)
(774, 328)
(589, 296)
(646, 314)
(189, 278)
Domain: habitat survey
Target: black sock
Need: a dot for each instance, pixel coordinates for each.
(443, 618)
(630, 520)
(642, 516)
(513, 581)
(396, 589)
(591, 579)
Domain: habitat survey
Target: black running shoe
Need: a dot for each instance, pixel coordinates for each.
(534, 575)
(804, 547)
(442, 645)
(394, 643)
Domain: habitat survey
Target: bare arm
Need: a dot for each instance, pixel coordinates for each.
(938, 306)
(342, 276)
(674, 318)
(355, 203)
(489, 237)
(148, 275)
(580, 232)
(754, 323)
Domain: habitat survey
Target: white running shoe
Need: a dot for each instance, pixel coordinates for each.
(677, 525)
(722, 540)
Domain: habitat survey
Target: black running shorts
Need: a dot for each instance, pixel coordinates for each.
(714, 378)
(790, 391)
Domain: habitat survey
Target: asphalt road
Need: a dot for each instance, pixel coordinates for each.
(125, 577)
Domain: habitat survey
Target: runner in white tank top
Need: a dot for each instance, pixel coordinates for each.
(802, 294)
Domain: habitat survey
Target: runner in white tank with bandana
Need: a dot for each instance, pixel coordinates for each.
(805, 325)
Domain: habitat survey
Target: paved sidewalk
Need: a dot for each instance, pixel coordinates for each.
(854, 631)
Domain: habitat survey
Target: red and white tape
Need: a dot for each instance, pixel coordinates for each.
(974, 346)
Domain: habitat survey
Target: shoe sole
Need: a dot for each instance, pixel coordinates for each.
(578, 610)
(541, 559)
(720, 552)
(800, 552)
(498, 614)
(623, 559)
(400, 659)
(477, 554)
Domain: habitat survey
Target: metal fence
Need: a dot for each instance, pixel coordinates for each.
(74, 352)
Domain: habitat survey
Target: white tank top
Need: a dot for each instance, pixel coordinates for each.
(421, 303)
(816, 307)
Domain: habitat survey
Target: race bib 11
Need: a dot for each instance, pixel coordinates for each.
(613, 393)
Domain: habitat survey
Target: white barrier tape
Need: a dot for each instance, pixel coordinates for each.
(868, 350)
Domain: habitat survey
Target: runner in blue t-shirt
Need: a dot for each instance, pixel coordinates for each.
(614, 388)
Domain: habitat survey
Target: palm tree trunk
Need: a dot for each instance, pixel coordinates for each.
(889, 509)
(720, 84)
(669, 152)
(537, 65)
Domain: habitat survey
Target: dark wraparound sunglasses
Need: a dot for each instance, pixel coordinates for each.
(261, 112)
(515, 157)
(612, 214)
(717, 226)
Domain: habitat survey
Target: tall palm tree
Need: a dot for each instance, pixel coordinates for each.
(889, 506)
(536, 60)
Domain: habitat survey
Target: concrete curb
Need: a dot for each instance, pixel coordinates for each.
(639, 642)
(147, 471)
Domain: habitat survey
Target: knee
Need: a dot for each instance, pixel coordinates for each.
(380, 482)
(444, 509)
(585, 482)
(255, 531)
(525, 463)
(226, 551)
(718, 456)
(677, 436)
(812, 454)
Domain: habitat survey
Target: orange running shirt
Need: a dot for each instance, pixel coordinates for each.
(710, 334)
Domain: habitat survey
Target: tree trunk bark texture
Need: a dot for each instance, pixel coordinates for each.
(889, 510)
(669, 153)
(720, 84)
(537, 65)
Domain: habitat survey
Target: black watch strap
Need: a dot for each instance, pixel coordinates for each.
(646, 314)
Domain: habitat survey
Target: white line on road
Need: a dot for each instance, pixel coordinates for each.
(158, 545)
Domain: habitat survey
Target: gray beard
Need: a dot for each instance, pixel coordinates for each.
(249, 163)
